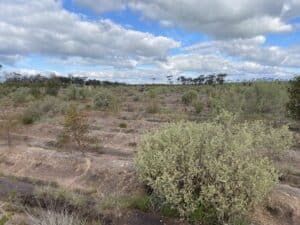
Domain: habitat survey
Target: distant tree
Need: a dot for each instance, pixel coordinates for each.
(221, 78)
(182, 79)
(210, 79)
(199, 80)
(170, 79)
(93, 83)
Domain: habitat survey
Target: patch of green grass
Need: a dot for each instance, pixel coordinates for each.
(123, 125)
(142, 203)
(167, 211)
(3, 220)
(61, 195)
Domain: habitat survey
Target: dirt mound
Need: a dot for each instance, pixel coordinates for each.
(100, 172)
(282, 207)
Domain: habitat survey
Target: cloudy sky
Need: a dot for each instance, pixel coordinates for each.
(140, 40)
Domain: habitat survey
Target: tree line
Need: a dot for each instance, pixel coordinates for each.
(17, 79)
(211, 79)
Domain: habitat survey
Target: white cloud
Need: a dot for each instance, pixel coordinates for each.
(101, 6)
(219, 18)
(251, 49)
(58, 36)
(208, 63)
(44, 27)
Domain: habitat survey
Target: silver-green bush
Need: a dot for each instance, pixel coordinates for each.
(189, 96)
(221, 166)
(106, 101)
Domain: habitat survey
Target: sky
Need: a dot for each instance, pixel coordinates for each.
(144, 41)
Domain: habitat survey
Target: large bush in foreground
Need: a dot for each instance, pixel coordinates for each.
(221, 168)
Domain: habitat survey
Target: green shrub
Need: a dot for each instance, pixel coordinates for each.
(229, 98)
(76, 93)
(21, 95)
(30, 116)
(294, 103)
(76, 126)
(221, 167)
(3, 220)
(189, 96)
(153, 107)
(123, 125)
(198, 106)
(152, 93)
(106, 101)
(136, 98)
(266, 98)
(261, 98)
(52, 87)
(36, 91)
(47, 107)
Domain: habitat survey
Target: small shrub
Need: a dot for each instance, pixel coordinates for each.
(198, 106)
(30, 116)
(136, 98)
(294, 104)
(219, 169)
(35, 91)
(142, 203)
(266, 98)
(60, 196)
(56, 218)
(3, 220)
(106, 101)
(76, 93)
(21, 95)
(47, 107)
(8, 122)
(189, 96)
(153, 107)
(123, 125)
(76, 126)
(52, 87)
(152, 93)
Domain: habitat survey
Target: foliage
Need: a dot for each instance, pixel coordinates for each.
(76, 93)
(30, 116)
(153, 107)
(8, 122)
(294, 103)
(123, 125)
(52, 87)
(189, 96)
(260, 98)
(198, 106)
(142, 203)
(21, 95)
(3, 220)
(47, 107)
(152, 93)
(221, 168)
(106, 101)
(50, 217)
(76, 126)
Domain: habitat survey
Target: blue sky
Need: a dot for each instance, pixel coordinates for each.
(136, 41)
